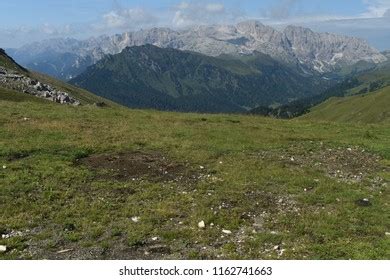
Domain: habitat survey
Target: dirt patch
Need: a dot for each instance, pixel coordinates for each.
(17, 156)
(137, 166)
(348, 164)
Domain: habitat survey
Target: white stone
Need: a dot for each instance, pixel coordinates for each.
(135, 219)
(64, 251)
(225, 231)
(201, 224)
(4, 166)
(3, 248)
(281, 252)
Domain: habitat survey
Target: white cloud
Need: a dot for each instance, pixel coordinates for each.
(11, 37)
(282, 9)
(128, 18)
(376, 8)
(183, 5)
(215, 8)
(202, 12)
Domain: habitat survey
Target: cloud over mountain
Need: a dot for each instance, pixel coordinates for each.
(372, 16)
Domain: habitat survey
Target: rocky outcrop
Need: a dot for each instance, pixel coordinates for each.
(314, 52)
(22, 83)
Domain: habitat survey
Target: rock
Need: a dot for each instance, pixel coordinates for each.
(64, 251)
(281, 252)
(3, 248)
(135, 219)
(365, 202)
(12, 234)
(201, 167)
(100, 104)
(155, 238)
(159, 249)
(225, 231)
(69, 227)
(201, 224)
(387, 233)
(19, 82)
(4, 166)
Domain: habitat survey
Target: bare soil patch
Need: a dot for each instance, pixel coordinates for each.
(137, 166)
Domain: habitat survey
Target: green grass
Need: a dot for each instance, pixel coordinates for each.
(365, 108)
(7, 62)
(248, 176)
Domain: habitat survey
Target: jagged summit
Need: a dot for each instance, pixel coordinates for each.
(316, 52)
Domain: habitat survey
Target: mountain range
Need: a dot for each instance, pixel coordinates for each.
(308, 51)
(170, 79)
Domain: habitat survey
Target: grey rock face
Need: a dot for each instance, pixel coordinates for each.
(16, 81)
(317, 52)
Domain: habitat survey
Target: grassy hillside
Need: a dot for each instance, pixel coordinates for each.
(82, 95)
(9, 63)
(368, 101)
(170, 79)
(364, 108)
(100, 183)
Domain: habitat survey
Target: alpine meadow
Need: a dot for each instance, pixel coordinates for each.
(245, 140)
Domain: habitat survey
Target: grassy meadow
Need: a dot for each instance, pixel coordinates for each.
(112, 183)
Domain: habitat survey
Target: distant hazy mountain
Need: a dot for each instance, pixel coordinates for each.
(169, 79)
(387, 54)
(307, 50)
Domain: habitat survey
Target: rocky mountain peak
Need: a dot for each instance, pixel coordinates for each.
(315, 52)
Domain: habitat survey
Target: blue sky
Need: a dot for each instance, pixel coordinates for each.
(23, 21)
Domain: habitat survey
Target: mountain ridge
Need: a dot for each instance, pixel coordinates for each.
(170, 79)
(312, 52)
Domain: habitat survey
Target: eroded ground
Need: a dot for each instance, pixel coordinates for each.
(145, 205)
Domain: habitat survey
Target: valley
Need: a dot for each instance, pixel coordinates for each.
(91, 182)
(169, 79)
(237, 142)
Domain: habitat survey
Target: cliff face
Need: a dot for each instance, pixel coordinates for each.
(314, 52)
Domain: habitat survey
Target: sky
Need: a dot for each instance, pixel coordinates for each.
(26, 21)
